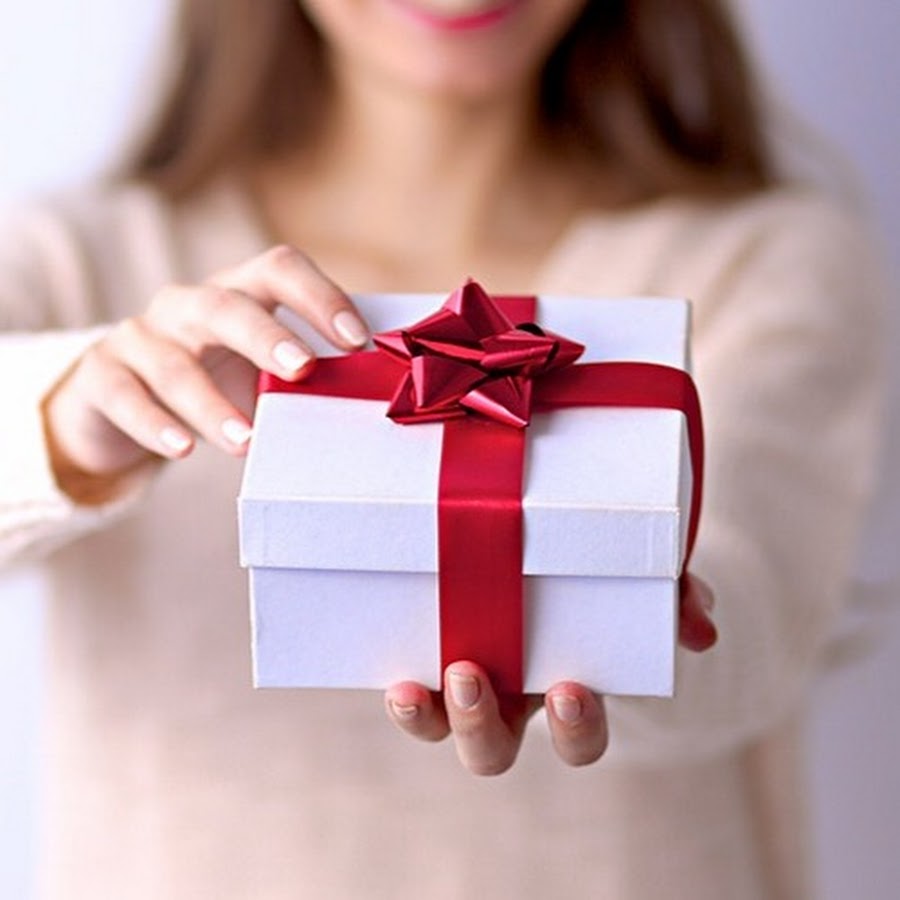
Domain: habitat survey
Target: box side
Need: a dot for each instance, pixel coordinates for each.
(614, 635)
(343, 629)
(602, 494)
(334, 484)
(315, 533)
(371, 630)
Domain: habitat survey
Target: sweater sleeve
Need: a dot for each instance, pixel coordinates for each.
(789, 363)
(49, 314)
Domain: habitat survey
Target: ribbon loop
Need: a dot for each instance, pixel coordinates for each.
(469, 357)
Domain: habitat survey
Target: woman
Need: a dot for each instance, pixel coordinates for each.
(399, 145)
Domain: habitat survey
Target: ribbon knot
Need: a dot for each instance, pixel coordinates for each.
(468, 357)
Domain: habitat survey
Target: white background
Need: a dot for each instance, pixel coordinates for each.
(71, 75)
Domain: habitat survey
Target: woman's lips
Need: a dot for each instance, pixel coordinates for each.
(456, 15)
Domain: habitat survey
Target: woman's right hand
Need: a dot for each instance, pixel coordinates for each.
(187, 366)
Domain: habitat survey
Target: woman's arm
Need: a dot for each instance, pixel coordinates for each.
(789, 355)
(48, 316)
(91, 413)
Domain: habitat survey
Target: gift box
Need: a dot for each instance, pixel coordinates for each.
(339, 522)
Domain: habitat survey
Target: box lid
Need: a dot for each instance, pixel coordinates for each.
(334, 484)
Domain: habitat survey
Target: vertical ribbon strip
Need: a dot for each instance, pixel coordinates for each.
(480, 540)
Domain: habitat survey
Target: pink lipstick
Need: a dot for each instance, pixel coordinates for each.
(466, 21)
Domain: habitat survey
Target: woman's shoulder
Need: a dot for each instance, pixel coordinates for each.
(778, 205)
(789, 216)
(113, 214)
(108, 245)
(787, 255)
(786, 219)
(679, 244)
(697, 247)
(76, 252)
(791, 240)
(78, 210)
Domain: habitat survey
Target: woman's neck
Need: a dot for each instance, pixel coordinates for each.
(402, 175)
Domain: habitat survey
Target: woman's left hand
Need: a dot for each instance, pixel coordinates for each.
(488, 729)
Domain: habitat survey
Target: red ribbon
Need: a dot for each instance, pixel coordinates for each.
(469, 357)
(488, 366)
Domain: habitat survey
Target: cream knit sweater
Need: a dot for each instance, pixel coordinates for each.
(168, 776)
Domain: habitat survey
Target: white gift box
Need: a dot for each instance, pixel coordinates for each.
(338, 523)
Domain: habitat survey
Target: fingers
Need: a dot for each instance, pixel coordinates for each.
(696, 629)
(287, 276)
(175, 383)
(488, 730)
(159, 378)
(417, 712)
(486, 742)
(208, 316)
(577, 721)
(118, 394)
(487, 734)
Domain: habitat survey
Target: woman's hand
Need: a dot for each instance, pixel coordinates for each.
(187, 367)
(488, 730)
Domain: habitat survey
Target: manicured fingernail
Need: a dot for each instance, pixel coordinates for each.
(464, 689)
(351, 328)
(175, 439)
(404, 711)
(236, 431)
(290, 356)
(566, 708)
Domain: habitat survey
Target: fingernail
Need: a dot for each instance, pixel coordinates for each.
(236, 431)
(175, 439)
(464, 689)
(404, 712)
(566, 708)
(290, 356)
(351, 328)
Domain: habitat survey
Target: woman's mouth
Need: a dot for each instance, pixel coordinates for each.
(456, 15)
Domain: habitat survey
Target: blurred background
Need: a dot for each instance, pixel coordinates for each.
(73, 76)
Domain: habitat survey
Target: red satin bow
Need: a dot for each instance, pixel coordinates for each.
(469, 357)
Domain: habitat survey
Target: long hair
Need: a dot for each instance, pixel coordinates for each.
(658, 92)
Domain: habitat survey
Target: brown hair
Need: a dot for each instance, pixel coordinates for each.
(658, 91)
